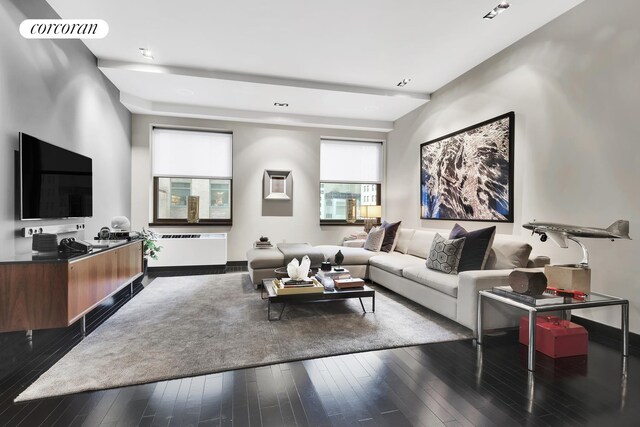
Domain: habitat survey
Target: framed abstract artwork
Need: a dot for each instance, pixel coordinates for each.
(468, 175)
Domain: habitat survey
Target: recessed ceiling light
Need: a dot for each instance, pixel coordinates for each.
(280, 104)
(146, 52)
(403, 82)
(497, 10)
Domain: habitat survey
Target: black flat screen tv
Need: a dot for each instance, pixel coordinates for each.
(54, 182)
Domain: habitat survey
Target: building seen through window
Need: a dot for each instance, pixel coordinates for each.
(334, 196)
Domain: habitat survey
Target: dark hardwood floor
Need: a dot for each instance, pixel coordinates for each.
(444, 384)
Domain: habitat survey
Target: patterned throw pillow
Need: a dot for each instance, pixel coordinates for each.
(374, 239)
(445, 254)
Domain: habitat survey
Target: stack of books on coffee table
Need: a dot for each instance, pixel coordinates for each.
(341, 279)
(290, 287)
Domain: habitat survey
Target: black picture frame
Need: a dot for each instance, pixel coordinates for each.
(467, 176)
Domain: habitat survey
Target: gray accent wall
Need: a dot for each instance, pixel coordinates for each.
(574, 86)
(256, 147)
(54, 91)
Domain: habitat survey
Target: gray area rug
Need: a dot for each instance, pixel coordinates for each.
(184, 326)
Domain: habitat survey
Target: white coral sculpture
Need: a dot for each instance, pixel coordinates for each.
(299, 271)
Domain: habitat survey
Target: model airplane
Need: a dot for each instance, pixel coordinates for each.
(560, 233)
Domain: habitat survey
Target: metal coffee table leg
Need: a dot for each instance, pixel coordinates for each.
(373, 304)
(284, 305)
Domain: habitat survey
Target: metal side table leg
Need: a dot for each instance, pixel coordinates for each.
(479, 323)
(531, 359)
(624, 326)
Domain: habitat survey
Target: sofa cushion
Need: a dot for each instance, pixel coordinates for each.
(507, 253)
(375, 239)
(390, 235)
(403, 239)
(477, 246)
(443, 282)
(445, 254)
(265, 258)
(352, 256)
(297, 251)
(421, 243)
(394, 262)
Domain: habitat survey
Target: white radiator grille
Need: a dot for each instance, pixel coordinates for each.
(184, 249)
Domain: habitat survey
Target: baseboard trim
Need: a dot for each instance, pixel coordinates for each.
(610, 332)
(193, 270)
(237, 264)
(186, 270)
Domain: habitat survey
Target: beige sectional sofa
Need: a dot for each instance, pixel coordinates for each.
(404, 271)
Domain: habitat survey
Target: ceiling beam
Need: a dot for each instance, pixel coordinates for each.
(256, 78)
(138, 105)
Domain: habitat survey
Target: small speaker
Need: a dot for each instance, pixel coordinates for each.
(45, 242)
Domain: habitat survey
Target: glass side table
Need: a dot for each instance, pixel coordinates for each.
(592, 300)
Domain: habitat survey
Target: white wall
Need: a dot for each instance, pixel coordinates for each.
(54, 91)
(256, 147)
(574, 86)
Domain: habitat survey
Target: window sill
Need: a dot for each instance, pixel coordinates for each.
(358, 223)
(190, 224)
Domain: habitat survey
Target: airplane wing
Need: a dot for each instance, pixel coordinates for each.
(559, 238)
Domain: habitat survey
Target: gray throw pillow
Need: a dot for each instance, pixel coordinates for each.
(508, 253)
(445, 254)
(374, 239)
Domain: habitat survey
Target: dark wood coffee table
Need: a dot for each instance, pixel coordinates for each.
(269, 293)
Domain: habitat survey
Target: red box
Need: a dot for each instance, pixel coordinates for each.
(556, 337)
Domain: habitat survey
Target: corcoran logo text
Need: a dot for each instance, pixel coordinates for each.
(64, 28)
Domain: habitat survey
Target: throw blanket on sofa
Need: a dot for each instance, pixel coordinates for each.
(299, 250)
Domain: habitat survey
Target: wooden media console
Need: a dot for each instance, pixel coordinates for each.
(41, 293)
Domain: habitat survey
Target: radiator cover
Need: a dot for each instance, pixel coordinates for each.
(185, 249)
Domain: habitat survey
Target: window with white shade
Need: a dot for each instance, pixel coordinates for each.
(191, 163)
(349, 170)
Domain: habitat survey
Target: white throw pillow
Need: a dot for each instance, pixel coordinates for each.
(374, 239)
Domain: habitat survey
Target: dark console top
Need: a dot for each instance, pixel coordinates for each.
(29, 257)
